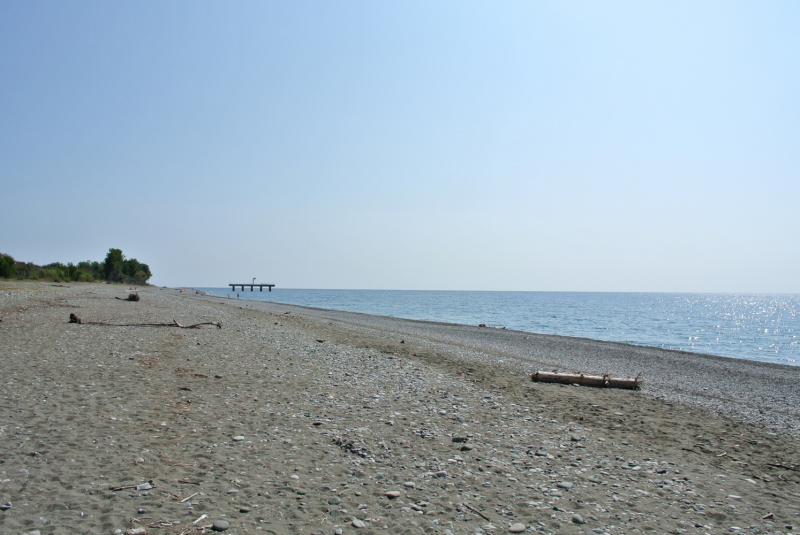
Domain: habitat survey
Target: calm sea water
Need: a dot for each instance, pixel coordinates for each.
(747, 326)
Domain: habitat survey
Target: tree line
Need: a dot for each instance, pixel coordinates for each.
(115, 268)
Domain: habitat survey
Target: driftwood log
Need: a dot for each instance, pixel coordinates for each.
(131, 297)
(602, 381)
(75, 319)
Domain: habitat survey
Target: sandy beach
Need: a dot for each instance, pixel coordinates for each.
(292, 420)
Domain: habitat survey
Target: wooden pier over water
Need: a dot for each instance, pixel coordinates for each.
(251, 285)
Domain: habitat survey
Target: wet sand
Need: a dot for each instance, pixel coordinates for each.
(297, 420)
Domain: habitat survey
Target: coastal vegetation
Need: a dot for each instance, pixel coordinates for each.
(114, 268)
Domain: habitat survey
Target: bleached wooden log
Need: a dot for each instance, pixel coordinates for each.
(602, 381)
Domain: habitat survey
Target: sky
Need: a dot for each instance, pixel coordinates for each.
(530, 146)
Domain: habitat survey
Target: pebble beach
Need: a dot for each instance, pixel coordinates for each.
(293, 420)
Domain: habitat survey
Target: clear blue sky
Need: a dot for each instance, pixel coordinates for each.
(597, 146)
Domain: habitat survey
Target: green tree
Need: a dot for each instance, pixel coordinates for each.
(7, 268)
(114, 263)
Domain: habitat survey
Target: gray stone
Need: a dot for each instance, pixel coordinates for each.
(440, 473)
(233, 491)
(334, 501)
(409, 484)
(244, 509)
(5, 507)
(142, 510)
(392, 494)
(220, 525)
(578, 519)
(564, 484)
(238, 438)
(517, 528)
(358, 523)
(338, 531)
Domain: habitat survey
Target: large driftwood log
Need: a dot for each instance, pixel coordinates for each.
(602, 381)
(75, 319)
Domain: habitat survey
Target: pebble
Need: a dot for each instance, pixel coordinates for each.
(294, 476)
(244, 509)
(358, 523)
(338, 531)
(233, 491)
(334, 501)
(238, 438)
(447, 532)
(220, 525)
(440, 473)
(734, 497)
(577, 519)
(564, 485)
(5, 507)
(392, 494)
(517, 528)
(142, 510)
(409, 484)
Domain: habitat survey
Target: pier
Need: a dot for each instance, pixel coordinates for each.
(251, 285)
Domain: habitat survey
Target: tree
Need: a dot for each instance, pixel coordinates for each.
(7, 266)
(114, 263)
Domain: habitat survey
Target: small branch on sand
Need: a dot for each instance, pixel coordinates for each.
(604, 381)
(141, 486)
(778, 465)
(483, 516)
(75, 319)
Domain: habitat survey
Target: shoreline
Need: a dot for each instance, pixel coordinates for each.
(296, 421)
(653, 337)
(765, 393)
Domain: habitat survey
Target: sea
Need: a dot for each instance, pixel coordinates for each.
(763, 327)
